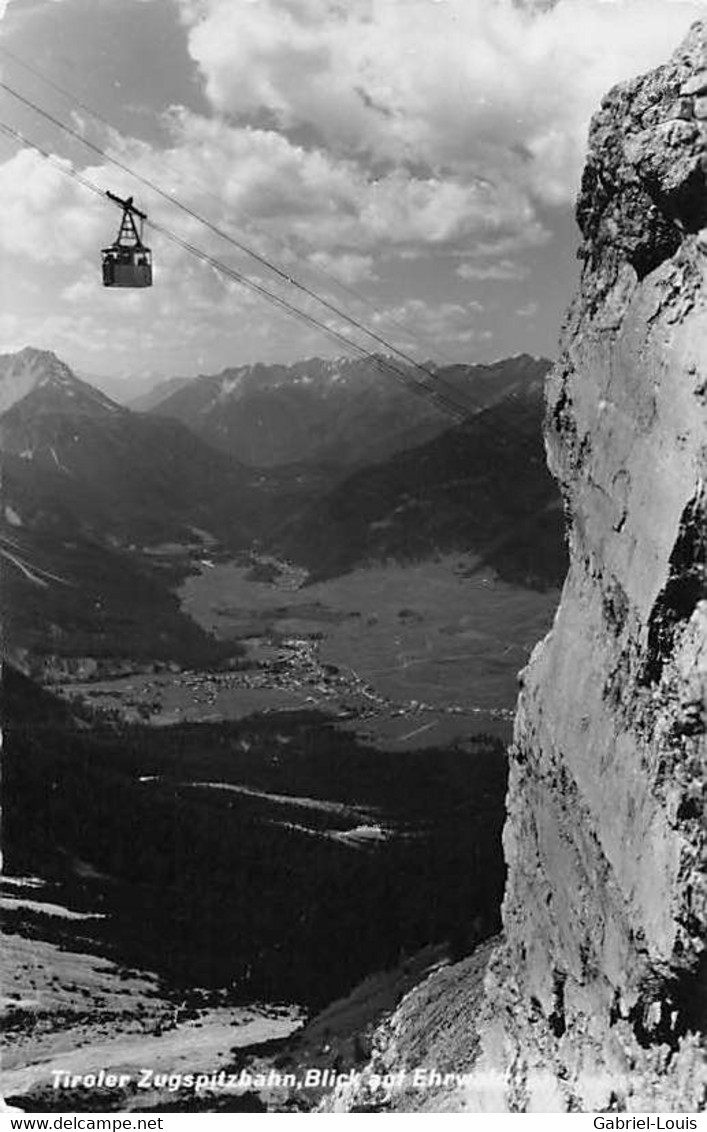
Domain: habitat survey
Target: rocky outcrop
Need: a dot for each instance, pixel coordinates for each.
(596, 999)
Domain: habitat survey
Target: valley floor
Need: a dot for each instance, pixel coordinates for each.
(406, 657)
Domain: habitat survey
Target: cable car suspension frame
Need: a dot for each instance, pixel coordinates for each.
(127, 262)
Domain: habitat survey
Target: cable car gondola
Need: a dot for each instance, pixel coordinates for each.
(127, 262)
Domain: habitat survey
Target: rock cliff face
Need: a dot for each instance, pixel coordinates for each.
(597, 997)
(600, 986)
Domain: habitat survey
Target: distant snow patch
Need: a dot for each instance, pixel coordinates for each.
(57, 461)
(229, 385)
(12, 903)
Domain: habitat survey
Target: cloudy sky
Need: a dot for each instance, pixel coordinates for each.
(413, 161)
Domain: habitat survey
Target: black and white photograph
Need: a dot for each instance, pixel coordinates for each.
(353, 560)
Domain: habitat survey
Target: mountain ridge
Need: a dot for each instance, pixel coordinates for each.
(124, 476)
(87, 486)
(31, 370)
(341, 412)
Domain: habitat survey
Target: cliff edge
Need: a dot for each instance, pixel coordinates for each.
(596, 999)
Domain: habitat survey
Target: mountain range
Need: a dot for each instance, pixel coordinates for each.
(329, 464)
(340, 412)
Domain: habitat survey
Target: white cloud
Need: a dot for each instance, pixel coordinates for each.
(5, 4)
(445, 324)
(347, 268)
(284, 196)
(471, 86)
(502, 270)
(44, 216)
(528, 311)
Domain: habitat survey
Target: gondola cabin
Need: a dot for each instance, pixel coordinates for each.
(127, 262)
